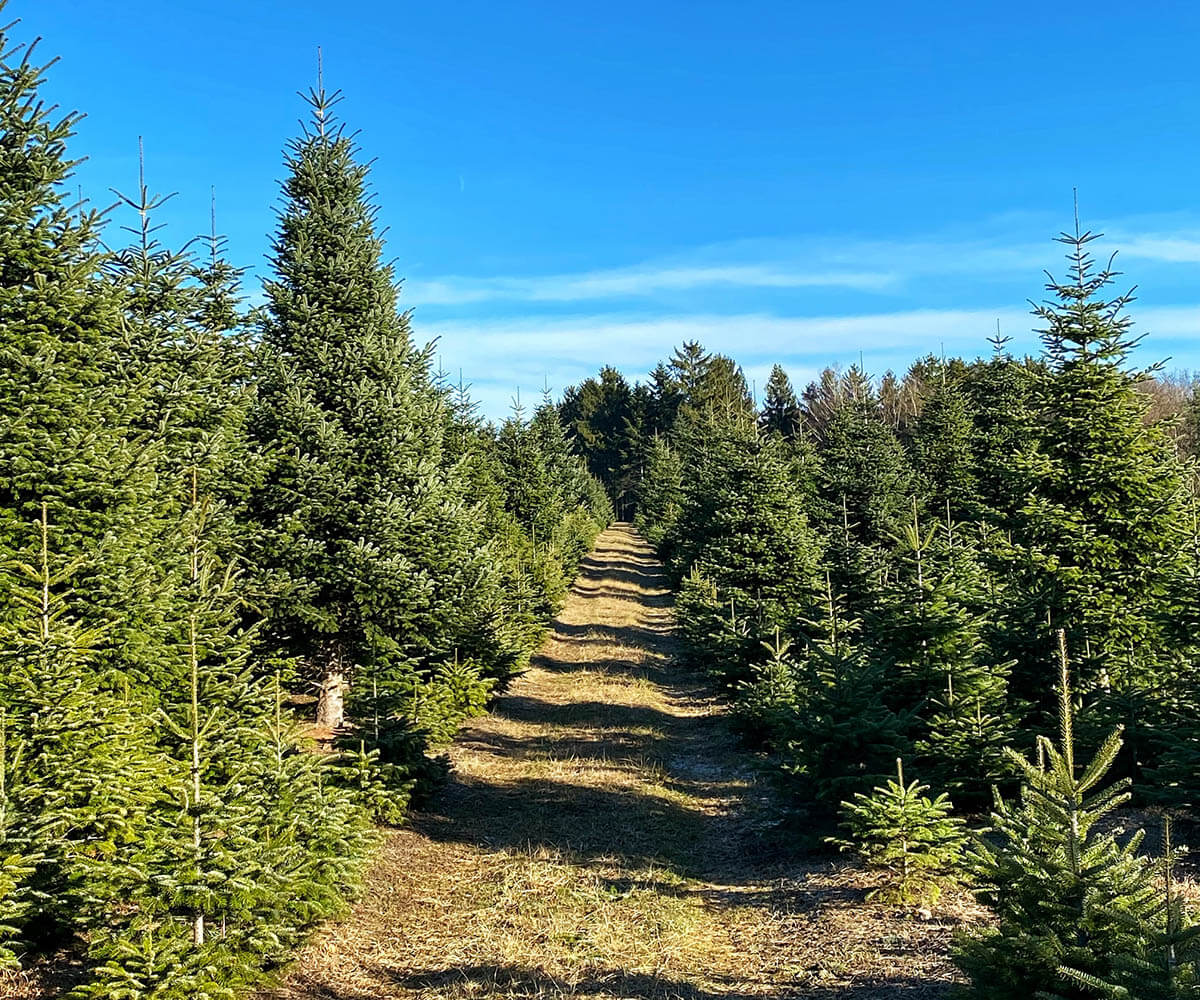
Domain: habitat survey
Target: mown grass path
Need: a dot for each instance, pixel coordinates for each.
(603, 836)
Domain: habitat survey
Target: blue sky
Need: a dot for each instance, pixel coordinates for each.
(572, 184)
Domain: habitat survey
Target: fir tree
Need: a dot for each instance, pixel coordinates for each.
(767, 703)
(604, 417)
(368, 538)
(941, 448)
(865, 485)
(1164, 963)
(742, 525)
(1095, 536)
(81, 770)
(716, 635)
(930, 627)
(780, 411)
(1053, 879)
(912, 838)
(72, 402)
(843, 736)
(660, 494)
(999, 392)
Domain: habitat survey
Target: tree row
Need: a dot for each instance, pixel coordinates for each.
(257, 565)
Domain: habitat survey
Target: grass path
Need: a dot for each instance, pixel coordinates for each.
(603, 836)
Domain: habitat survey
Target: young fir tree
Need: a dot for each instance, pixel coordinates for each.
(525, 606)
(218, 360)
(18, 857)
(930, 627)
(81, 772)
(766, 704)
(842, 737)
(1096, 535)
(912, 839)
(314, 834)
(182, 340)
(159, 301)
(365, 533)
(715, 635)
(1056, 883)
(178, 932)
(1165, 962)
(223, 903)
(927, 621)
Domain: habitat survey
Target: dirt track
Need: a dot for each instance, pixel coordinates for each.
(602, 835)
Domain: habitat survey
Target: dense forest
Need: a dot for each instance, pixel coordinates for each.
(260, 564)
(226, 534)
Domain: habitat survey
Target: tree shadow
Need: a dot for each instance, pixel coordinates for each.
(589, 715)
(514, 980)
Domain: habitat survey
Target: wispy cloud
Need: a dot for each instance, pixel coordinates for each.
(501, 357)
(1007, 249)
(1165, 247)
(633, 282)
(642, 340)
(888, 301)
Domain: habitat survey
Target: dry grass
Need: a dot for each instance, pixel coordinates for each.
(603, 836)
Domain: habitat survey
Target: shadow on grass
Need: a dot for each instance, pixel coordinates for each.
(587, 822)
(495, 980)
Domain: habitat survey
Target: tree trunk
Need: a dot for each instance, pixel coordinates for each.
(331, 703)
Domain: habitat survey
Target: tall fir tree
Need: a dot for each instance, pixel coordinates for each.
(364, 531)
(1096, 534)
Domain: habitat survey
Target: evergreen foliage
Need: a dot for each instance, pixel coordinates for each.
(1096, 531)
(745, 529)
(911, 838)
(942, 448)
(163, 815)
(1055, 880)
(369, 542)
(780, 411)
(1164, 963)
(209, 514)
(843, 737)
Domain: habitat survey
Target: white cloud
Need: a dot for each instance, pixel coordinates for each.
(1169, 249)
(632, 282)
(500, 356)
(1001, 249)
(642, 340)
(632, 317)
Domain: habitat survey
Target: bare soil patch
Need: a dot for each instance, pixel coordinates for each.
(602, 835)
